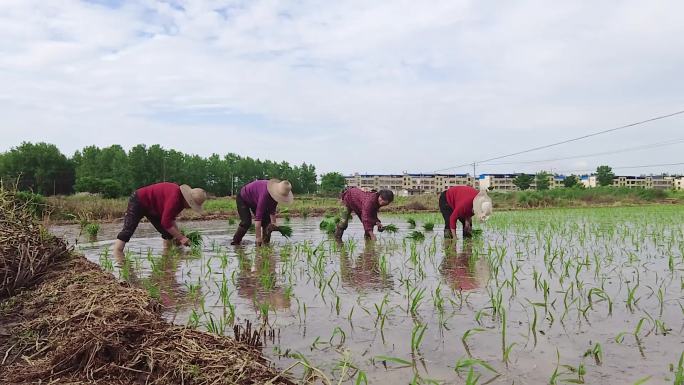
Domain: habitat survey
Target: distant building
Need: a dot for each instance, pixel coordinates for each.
(406, 184)
(409, 184)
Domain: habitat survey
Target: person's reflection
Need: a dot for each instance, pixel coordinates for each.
(369, 271)
(258, 282)
(162, 282)
(461, 270)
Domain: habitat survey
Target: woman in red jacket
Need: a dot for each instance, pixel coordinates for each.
(160, 203)
(461, 203)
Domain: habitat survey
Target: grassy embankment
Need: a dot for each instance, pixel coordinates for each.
(85, 207)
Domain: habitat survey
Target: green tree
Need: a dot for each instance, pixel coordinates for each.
(605, 175)
(523, 181)
(39, 167)
(542, 180)
(332, 182)
(571, 181)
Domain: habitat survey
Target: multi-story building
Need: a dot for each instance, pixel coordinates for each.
(416, 184)
(679, 183)
(409, 184)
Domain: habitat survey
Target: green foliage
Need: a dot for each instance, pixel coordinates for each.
(604, 175)
(39, 167)
(35, 203)
(391, 229)
(542, 180)
(415, 236)
(428, 226)
(523, 181)
(571, 181)
(332, 183)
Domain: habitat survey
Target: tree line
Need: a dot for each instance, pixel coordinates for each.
(604, 177)
(113, 171)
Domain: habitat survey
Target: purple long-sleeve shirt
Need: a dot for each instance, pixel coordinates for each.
(256, 197)
(364, 204)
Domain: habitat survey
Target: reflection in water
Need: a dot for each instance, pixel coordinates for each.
(461, 270)
(162, 282)
(258, 281)
(367, 272)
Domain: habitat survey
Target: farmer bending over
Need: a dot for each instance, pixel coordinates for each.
(260, 197)
(365, 205)
(160, 203)
(462, 202)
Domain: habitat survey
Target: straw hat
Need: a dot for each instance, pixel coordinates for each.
(281, 191)
(194, 196)
(482, 206)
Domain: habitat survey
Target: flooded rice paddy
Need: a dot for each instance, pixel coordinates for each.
(590, 296)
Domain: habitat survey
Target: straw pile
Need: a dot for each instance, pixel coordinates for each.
(63, 320)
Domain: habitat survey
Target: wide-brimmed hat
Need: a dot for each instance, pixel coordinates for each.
(194, 196)
(280, 191)
(482, 205)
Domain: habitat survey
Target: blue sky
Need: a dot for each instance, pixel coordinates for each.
(350, 86)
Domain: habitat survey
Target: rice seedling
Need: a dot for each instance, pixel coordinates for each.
(411, 222)
(194, 236)
(428, 226)
(391, 229)
(285, 230)
(416, 236)
(92, 229)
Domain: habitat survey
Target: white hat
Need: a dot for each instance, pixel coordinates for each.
(194, 196)
(280, 191)
(482, 206)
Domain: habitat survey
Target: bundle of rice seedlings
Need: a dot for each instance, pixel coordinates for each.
(328, 225)
(390, 228)
(194, 236)
(285, 230)
(477, 232)
(428, 226)
(411, 222)
(416, 236)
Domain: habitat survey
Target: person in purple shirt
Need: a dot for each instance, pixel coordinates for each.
(260, 198)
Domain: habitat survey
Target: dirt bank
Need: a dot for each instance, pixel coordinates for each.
(63, 320)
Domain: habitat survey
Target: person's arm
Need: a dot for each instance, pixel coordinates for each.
(369, 218)
(168, 220)
(258, 231)
(452, 223)
(273, 220)
(468, 227)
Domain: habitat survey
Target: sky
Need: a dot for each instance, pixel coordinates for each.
(352, 86)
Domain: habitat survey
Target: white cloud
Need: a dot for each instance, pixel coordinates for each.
(349, 85)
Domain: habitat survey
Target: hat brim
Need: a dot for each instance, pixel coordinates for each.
(187, 195)
(478, 202)
(285, 199)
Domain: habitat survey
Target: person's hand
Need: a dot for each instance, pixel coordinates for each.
(259, 242)
(381, 228)
(184, 241)
(271, 227)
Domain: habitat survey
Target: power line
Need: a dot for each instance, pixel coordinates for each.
(636, 148)
(631, 167)
(568, 140)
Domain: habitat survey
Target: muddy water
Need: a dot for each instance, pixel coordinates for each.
(346, 308)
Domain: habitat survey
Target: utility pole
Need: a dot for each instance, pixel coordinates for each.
(474, 175)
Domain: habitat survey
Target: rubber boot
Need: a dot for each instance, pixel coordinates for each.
(239, 234)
